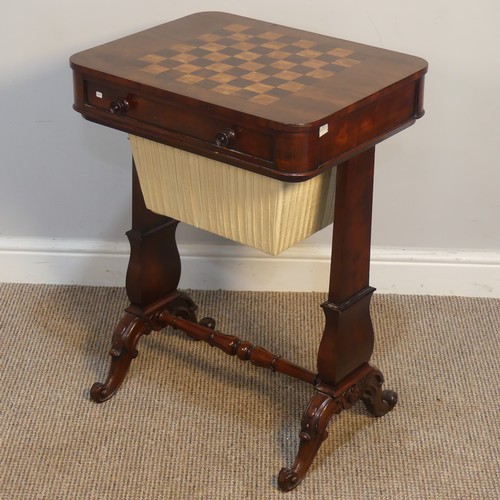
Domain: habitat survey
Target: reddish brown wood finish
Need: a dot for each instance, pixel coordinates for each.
(152, 278)
(234, 346)
(155, 267)
(364, 384)
(348, 337)
(346, 347)
(368, 95)
(331, 118)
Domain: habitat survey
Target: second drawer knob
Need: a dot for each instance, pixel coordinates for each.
(225, 138)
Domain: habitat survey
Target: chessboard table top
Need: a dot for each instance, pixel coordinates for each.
(274, 100)
(258, 68)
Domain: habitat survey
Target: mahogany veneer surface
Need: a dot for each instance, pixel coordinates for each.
(297, 102)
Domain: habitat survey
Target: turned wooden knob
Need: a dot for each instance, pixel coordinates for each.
(225, 138)
(119, 107)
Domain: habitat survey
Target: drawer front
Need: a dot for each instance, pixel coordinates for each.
(183, 120)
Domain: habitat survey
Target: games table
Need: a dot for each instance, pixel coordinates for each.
(220, 107)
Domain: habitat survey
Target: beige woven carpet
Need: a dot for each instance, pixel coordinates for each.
(192, 423)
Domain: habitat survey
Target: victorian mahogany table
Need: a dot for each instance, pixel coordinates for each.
(280, 103)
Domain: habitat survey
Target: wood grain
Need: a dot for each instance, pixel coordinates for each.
(187, 79)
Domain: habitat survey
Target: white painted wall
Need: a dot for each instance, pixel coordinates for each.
(437, 183)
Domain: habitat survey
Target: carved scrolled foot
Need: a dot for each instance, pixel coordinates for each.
(288, 479)
(377, 401)
(123, 351)
(99, 392)
(313, 432)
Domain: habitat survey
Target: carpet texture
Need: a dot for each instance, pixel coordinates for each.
(192, 423)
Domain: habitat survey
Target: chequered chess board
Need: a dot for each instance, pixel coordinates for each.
(259, 66)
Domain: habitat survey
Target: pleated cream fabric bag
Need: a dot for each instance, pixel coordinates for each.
(246, 207)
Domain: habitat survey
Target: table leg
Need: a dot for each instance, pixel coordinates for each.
(152, 278)
(348, 336)
(347, 343)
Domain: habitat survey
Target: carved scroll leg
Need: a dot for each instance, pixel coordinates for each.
(123, 351)
(364, 383)
(313, 432)
(377, 401)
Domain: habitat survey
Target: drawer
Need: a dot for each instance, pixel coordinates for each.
(185, 120)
